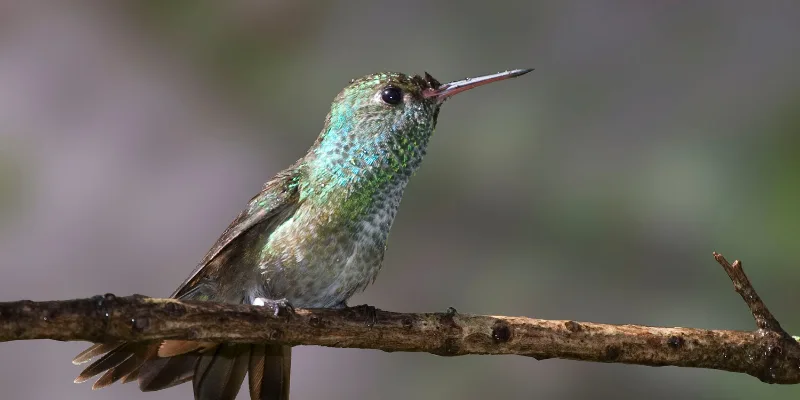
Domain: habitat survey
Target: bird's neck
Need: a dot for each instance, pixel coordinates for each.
(360, 161)
(352, 183)
(352, 188)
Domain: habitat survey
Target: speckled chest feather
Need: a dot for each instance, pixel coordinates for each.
(320, 259)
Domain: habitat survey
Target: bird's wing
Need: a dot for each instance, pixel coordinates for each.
(276, 201)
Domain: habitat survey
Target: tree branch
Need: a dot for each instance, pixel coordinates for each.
(768, 353)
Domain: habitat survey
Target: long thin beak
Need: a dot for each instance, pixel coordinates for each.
(447, 90)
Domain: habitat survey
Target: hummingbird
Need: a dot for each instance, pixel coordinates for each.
(314, 236)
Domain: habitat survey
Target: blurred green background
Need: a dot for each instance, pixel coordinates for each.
(595, 188)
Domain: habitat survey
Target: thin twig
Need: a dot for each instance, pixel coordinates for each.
(764, 318)
(767, 353)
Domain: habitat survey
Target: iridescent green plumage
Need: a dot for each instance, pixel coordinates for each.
(352, 179)
(314, 236)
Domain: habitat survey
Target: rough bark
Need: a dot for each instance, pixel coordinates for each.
(767, 353)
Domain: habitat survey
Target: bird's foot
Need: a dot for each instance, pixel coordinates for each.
(372, 314)
(279, 307)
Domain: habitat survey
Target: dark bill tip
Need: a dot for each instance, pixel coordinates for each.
(447, 90)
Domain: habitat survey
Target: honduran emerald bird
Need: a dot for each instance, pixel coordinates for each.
(314, 236)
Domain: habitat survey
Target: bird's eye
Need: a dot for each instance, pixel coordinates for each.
(392, 95)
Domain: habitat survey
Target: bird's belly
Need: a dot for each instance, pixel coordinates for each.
(325, 267)
(339, 282)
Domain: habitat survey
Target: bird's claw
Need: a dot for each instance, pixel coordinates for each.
(278, 307)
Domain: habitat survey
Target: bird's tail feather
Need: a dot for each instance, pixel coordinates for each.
(216, 373)
(269, 372)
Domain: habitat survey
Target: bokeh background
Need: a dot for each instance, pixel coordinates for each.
(596, 188)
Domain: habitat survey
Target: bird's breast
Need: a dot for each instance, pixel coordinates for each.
(319, 258)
